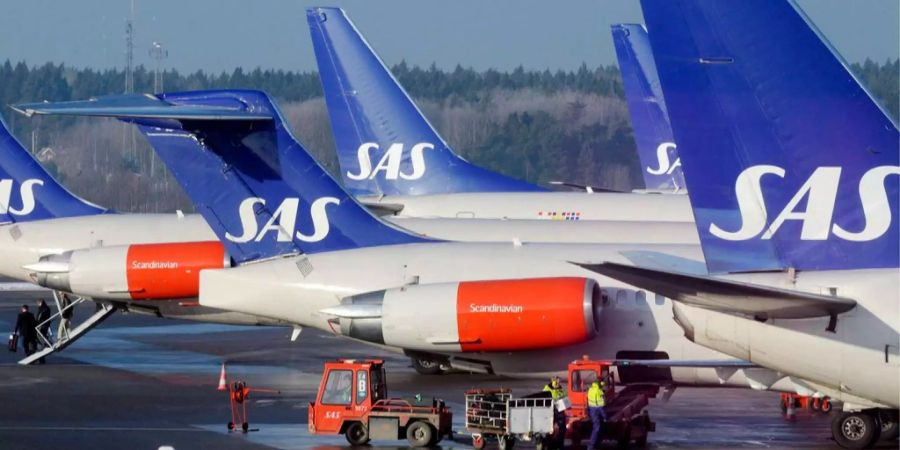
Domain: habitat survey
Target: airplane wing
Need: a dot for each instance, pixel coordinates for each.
(382, 209)
(761, 302)
(584, 187)
(22, 291)
(695, 363)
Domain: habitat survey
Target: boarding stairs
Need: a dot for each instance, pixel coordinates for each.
(70, 336)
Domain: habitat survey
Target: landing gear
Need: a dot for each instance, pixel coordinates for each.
(856, 430)
(426, 366)
(889, 427)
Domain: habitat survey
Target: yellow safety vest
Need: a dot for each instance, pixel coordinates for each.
(556, 393)
(595, 397)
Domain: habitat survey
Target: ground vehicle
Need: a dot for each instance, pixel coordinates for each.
(791, 402)
(497, 414)
(364, 412)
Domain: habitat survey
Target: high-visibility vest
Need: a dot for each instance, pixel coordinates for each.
(595, 396)
(556, 393)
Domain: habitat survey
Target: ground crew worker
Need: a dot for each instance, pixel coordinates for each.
(559, 414)
(596, 404)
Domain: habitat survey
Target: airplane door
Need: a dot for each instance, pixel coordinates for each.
(336, 400)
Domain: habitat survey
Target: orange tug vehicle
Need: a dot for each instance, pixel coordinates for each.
(352, 400)
(496, 415)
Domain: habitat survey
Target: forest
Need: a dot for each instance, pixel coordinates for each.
(535, 125)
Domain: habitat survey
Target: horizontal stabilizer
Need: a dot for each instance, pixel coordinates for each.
(727, 296)
(138, 106)
(382, 209)
(584, 187)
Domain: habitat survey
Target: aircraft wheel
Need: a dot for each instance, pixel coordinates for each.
(426, 366)
(826, 406)
(889, 428)
(855, 430)
(230, 426)
(245, 427)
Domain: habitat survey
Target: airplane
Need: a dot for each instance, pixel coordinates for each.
(93, 235)
(793, 174)
(71, 241)
(390, 156)
(307, 252)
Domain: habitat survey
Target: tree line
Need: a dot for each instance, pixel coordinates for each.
(539, 126)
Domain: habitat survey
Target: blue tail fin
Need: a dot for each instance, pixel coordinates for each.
(652, 133)
(385, 145)
(28, 192)
(788, 160)
(228, 149)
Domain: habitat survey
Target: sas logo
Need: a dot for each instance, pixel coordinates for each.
(664, 154)
(390, 161)
(26, 193)
(820, 191)
(283, 221)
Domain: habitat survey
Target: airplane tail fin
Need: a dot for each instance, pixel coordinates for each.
(230, 150)
(385, 145)
(789, 161)
(660, 165)
(28, 192)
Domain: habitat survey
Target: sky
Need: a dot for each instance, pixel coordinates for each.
(219, 35)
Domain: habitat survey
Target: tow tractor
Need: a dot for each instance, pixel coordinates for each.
(352, 400)
(497, 415)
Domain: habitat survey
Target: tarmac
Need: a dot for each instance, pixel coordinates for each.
(140, 382)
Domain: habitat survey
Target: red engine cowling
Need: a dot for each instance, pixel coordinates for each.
(132, 272)
(476, 316)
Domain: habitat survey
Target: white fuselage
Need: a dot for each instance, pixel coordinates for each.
(857, 363)
(632, 320)
(628, 207)
(25, 243)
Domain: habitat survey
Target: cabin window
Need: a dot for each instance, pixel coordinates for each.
(660, 299)
(582, 380)
(640, 299)
(338, 388)
(621, 297)
(362, 386)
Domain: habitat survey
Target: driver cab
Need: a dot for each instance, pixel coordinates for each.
(347, 391)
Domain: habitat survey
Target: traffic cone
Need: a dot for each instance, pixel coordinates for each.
(223, 385)
(791, 414)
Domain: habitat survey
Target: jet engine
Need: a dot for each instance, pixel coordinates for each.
(132, 272)
(475, 316)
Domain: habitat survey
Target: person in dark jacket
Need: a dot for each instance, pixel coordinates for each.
(42, 317)
(25, 328)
